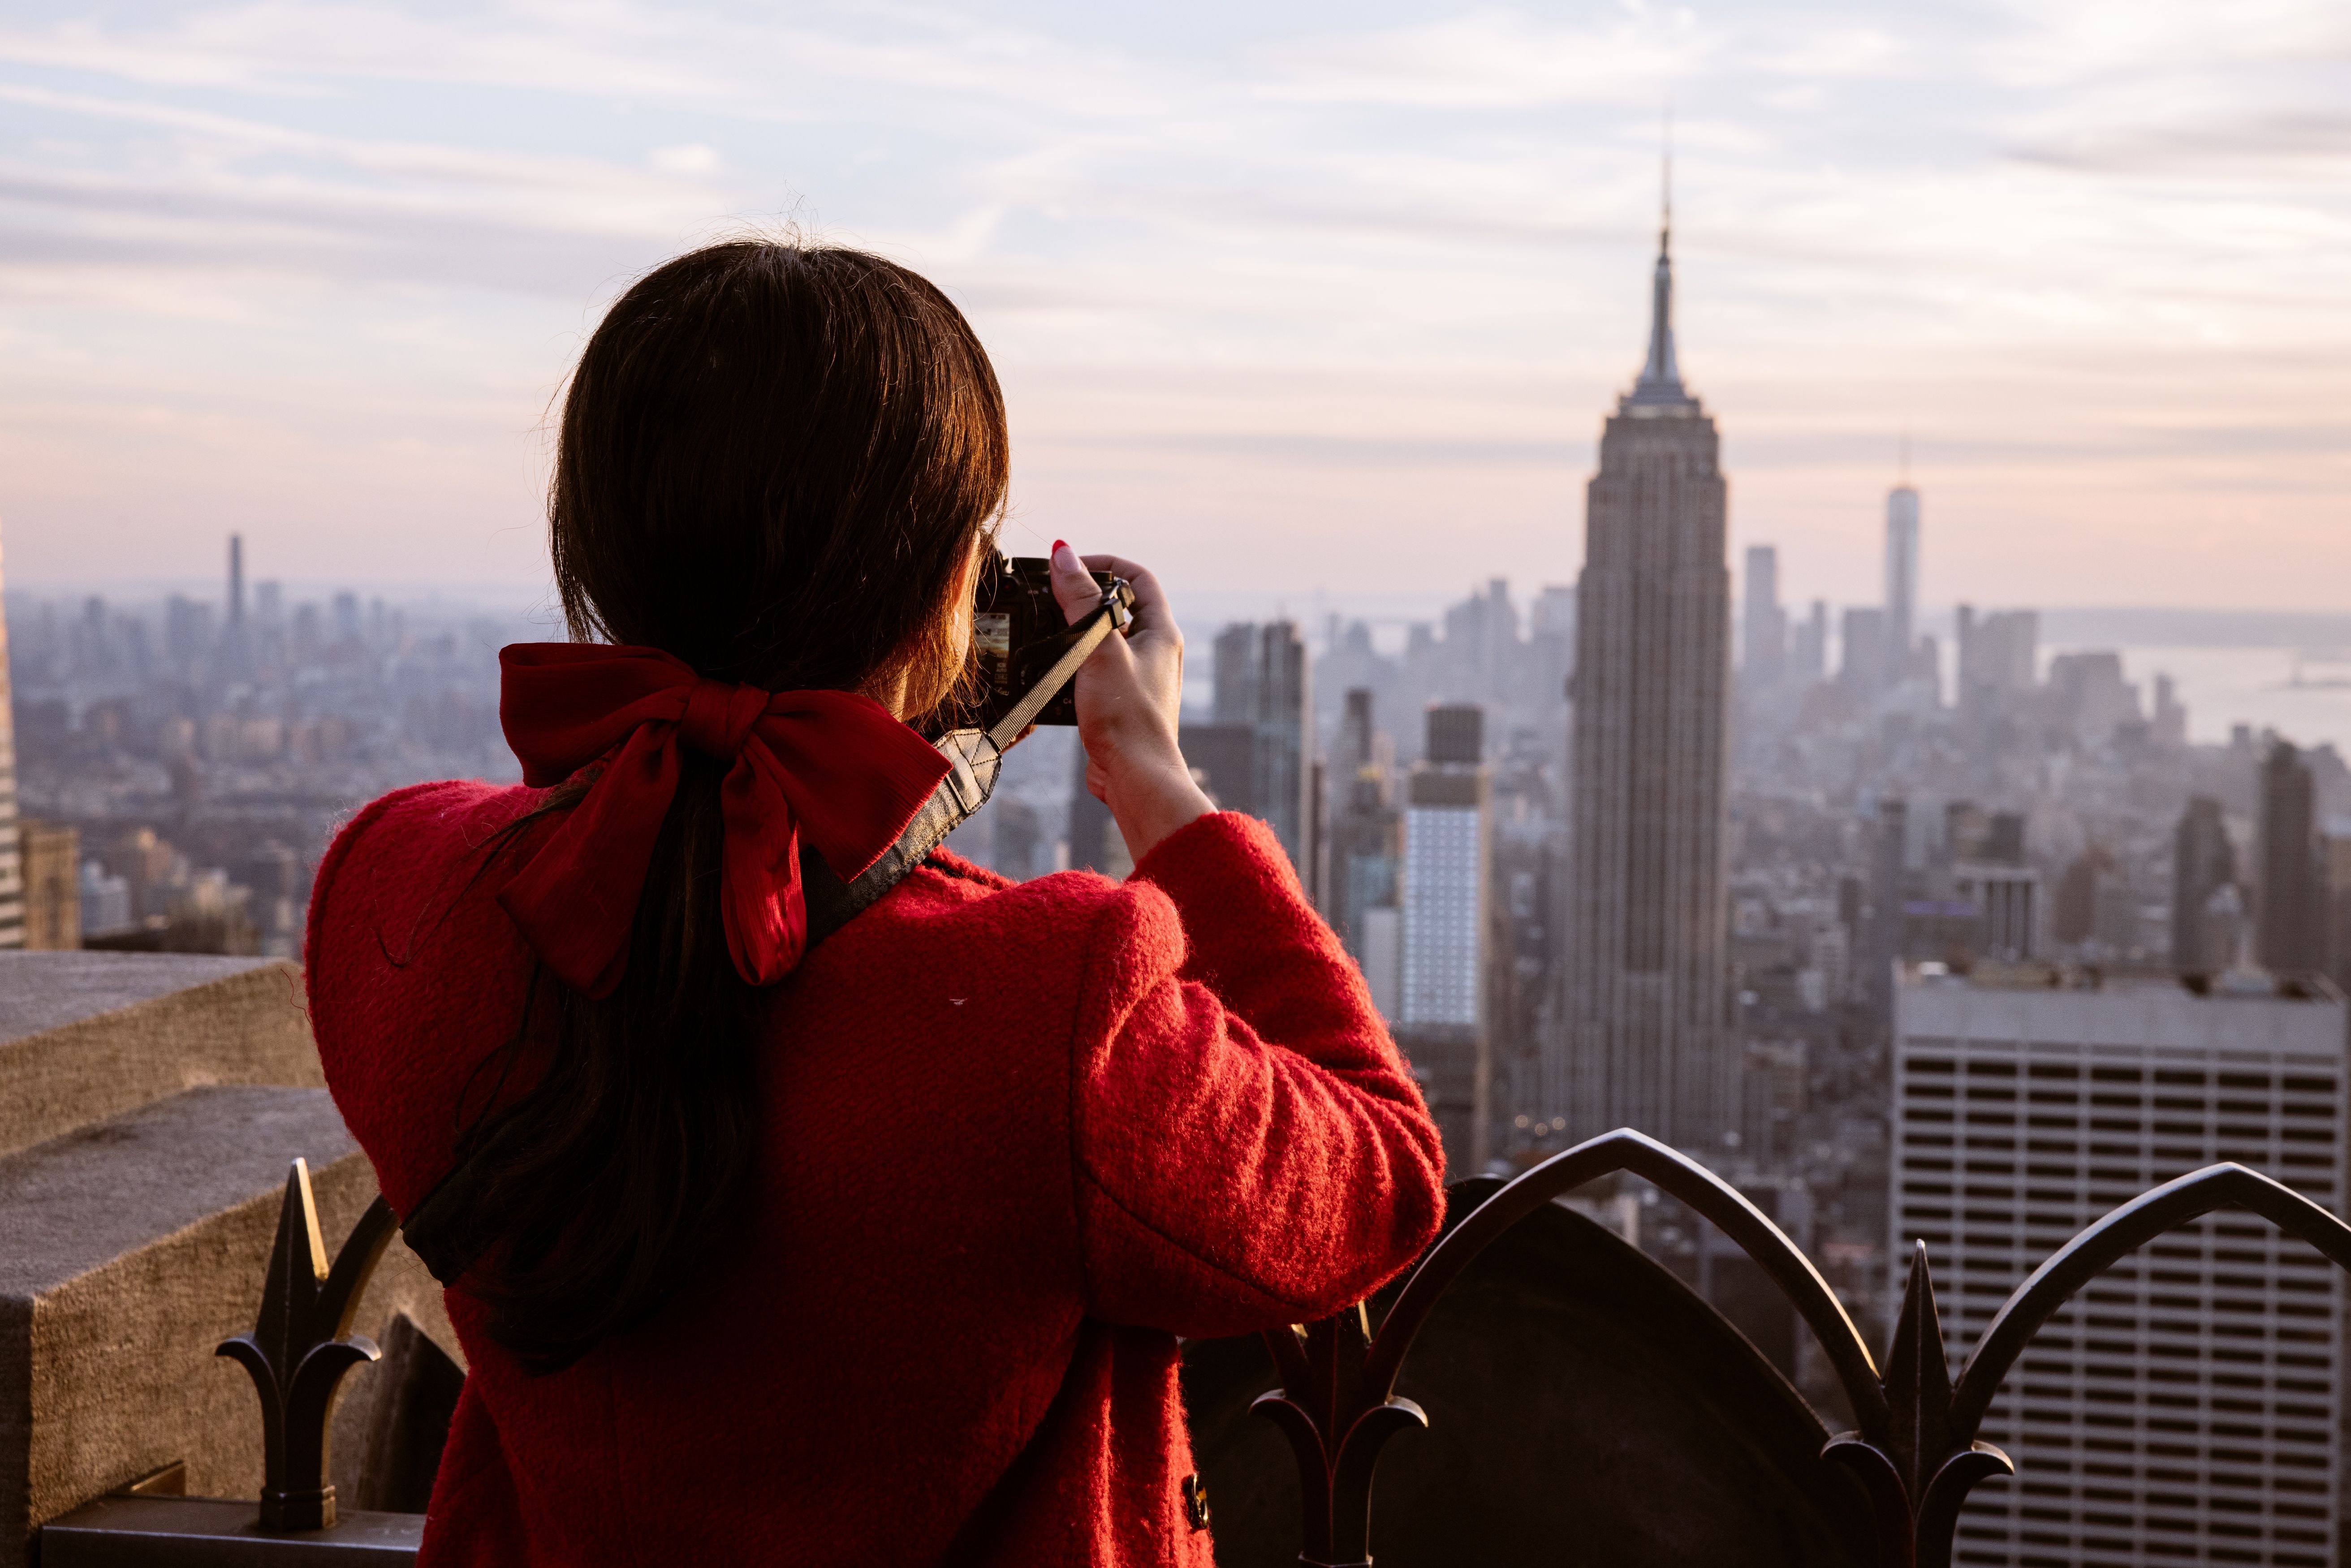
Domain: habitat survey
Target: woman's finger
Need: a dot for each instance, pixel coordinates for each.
(1074, 589)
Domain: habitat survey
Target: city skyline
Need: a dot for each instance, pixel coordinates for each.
(1266, 287)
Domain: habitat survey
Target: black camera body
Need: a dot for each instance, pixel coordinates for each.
(1017, 631)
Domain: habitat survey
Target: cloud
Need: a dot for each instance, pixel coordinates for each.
(1237, 279)
(2271, 145)
(1492, 59)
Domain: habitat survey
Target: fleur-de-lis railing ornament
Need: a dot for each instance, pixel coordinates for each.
(301, 1346)
(1337, 1428)
(1915, 1452)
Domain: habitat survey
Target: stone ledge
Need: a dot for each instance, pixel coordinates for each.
(88, 1036)
(134, 1246)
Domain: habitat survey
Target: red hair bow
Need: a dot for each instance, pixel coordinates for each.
(833, 764)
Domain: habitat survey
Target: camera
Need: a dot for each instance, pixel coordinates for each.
(1017, 631)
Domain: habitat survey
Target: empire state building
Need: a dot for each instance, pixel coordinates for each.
(1642, 1038)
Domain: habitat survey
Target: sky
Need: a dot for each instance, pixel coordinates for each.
(1317, 299)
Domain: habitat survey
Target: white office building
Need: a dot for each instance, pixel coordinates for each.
(1444, 915)
(1444, 919)
(2182, 1408)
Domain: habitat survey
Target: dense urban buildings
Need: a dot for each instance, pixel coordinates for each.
(195, 755)
(1640, 1028)
(2184, 1407)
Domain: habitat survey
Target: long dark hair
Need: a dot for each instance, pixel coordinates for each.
(775, 462)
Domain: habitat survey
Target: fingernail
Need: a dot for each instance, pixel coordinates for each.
(1061, 550)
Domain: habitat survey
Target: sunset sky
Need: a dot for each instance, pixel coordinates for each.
(1323, 299)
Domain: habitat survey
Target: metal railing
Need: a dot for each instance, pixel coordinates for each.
(1914, 1450)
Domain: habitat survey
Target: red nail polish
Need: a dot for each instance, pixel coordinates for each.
(1060, 545)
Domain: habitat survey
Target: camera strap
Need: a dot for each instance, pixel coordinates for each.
(455, 1223)
(977, 757)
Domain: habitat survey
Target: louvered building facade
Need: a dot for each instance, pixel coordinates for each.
(2181, 1408)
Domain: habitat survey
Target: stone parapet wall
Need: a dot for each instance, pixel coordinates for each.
(149, 1107)
(83, 1036)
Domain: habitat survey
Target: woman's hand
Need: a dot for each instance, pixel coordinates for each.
(1130, 694)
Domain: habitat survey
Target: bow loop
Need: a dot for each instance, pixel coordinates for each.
(833, 765)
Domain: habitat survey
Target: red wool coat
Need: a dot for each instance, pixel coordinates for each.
(1019, 1138)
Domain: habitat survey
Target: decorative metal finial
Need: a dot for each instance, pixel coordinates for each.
(1919, 1466)
(300, 1347)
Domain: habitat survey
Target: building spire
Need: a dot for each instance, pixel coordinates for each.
(1661, 378)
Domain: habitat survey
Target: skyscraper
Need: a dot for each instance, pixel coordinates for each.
(12, 874)
(1901, 579)
(236, 585)
(1363, 845)
(1447, 919)
(1285, 751)
(1865, 666)
(2289, 908)
(1808, 648)
(1764, 630)
(1258, 741)
(1640, 1012)
(1259, 683)
(2203, 863)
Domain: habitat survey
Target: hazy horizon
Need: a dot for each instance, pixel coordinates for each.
(1327, 297)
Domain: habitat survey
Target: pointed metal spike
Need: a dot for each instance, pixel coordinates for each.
(1918, 1381)
(284, 1292)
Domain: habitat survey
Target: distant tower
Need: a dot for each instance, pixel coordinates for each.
(1865, 665)
(1363, 845)
(237, 642)
(1901, 580)
(2203, 863)
(1642, 1038)
(1285, 750)
(1809, 651)
(236, 585)
(12, 870)
(2290, 932)
(1764, 659)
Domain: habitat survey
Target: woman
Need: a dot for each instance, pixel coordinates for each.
(875, 1251)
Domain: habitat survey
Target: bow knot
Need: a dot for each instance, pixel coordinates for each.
(719, 717)
(835, 765)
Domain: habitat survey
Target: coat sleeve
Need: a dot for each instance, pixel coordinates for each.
(1250, 1148)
